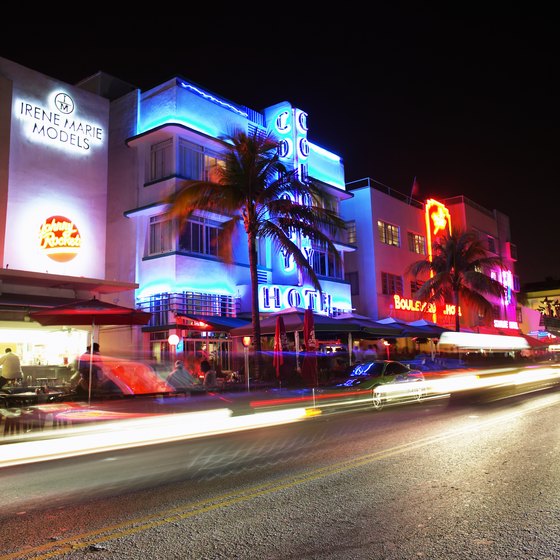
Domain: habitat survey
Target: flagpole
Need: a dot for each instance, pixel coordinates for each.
(412, 191)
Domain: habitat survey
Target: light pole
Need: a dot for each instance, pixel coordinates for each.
(246, 343)
(387, 345)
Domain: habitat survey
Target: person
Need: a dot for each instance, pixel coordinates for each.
(11, 368)
(370, 354)
(82, 387)
(209, 374)
(180, 378)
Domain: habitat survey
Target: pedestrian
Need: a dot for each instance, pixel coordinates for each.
(370, 355)
(209, 374)
(86, 362)
(180, 378)
(11, 368)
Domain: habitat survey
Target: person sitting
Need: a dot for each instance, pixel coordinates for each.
(180, 378)
(11, 368)
(209, 375)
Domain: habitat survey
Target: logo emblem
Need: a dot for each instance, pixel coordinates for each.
(64, 103)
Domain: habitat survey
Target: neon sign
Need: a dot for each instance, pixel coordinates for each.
(438, 221)
(275, 297)
(414, 305)
(59, 238)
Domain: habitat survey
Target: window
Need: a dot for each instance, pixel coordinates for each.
(261, 251)
(388, 233)
(353, 279)
(415, 286)
(161, 160)
(491, 244)
(391, 284)
(200, 235)
(351, 229)
(324, 262)
(198, 163)
(416, 243)
(161, 234)
(516, 283)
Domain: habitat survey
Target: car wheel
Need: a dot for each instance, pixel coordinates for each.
(417, 392)
(377, 398)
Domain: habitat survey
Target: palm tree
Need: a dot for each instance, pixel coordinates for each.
(254, 186)
(457, 273)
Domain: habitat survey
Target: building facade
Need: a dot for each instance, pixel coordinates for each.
(393, 230)
(87, 168)
(85, 171)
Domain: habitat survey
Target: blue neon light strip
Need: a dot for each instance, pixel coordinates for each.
(205, 95)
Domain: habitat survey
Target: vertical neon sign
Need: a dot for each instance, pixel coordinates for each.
(438, 222)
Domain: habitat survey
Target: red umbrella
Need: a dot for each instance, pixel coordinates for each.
(280, 344)
(90, 312)
(309, 366)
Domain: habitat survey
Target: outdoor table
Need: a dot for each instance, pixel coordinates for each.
(42, 411)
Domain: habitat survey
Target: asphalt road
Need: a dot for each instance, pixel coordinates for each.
(435, 479)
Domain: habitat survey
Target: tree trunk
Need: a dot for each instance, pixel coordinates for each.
(255, 316)
(456, 304)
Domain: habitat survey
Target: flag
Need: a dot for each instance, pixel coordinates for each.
(415, 191)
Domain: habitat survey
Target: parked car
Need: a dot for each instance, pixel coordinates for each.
(377, 382)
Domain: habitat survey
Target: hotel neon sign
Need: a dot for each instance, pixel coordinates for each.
(276, 297)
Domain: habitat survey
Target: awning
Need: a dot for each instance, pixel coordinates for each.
(293, 321)
(210, 322)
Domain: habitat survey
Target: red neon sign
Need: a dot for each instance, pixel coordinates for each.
(60, 238)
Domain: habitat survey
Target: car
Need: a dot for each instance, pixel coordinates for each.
(377, 382)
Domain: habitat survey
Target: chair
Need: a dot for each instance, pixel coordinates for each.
(210, 379)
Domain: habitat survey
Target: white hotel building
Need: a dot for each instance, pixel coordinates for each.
(84, 171)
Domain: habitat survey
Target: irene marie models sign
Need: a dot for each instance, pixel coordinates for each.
(58, 123)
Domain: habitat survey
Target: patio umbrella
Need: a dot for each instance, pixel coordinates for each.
(280, 344)
(90, 312)
(309, 366)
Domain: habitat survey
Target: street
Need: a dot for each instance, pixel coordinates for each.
(433, 479)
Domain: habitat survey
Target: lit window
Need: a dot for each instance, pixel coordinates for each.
(388, 233)
(416, 243)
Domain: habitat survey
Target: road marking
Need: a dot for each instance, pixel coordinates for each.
(113, 532)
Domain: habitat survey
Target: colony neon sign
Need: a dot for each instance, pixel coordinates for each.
(57, 124)
(59, 238)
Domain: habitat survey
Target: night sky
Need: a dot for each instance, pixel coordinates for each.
(463, 103)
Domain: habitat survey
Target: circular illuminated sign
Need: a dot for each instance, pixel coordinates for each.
(59, 238)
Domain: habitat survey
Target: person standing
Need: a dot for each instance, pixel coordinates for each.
(11, 368)
(370, 355)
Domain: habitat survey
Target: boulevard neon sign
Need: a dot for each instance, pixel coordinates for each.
(59, 238)
(414, 305)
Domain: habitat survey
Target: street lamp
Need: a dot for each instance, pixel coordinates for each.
(173, 340)
(246, 340)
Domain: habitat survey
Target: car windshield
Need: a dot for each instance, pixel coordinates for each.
(367, 369)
